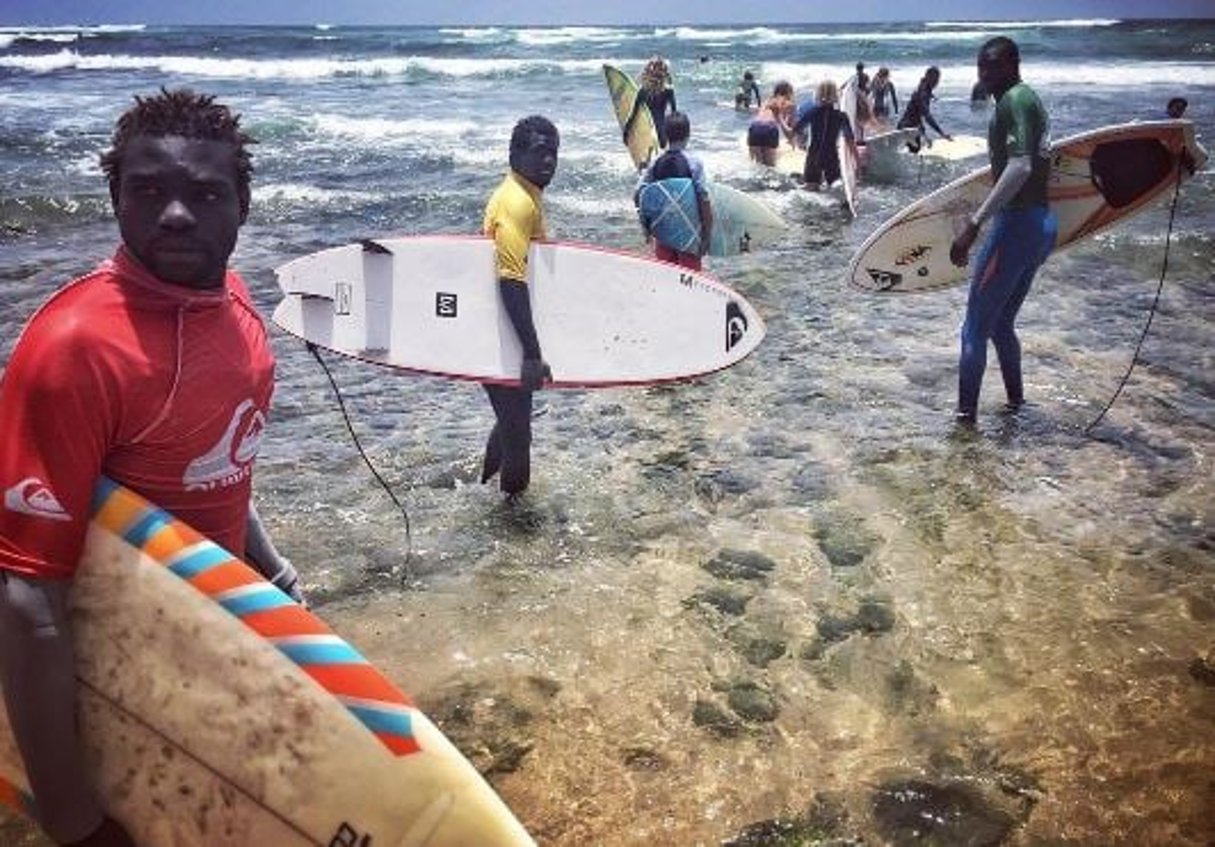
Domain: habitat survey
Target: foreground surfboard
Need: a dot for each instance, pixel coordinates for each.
(1097, 179)
(642, 142)
(741, 223)
(218, 712)
(431, 304)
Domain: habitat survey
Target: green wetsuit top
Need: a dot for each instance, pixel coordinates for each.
(1020, 127)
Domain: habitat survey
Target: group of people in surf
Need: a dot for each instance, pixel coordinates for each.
(863, 106)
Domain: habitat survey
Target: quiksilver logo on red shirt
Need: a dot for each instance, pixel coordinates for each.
(32, 496)
(231, 459)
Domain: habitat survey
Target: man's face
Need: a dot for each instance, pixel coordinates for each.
(997, 73)
(179, 206)
(537, 161)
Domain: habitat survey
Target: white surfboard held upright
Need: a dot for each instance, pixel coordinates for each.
(431, 304)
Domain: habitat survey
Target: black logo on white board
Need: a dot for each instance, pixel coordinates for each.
(736, 325)
(884, 280)
(445, 304)
(348, 836)
(343, 293)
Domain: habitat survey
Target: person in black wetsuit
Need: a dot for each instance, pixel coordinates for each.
(825, 123)
(746, 88)
(881, 90)
(656, 93)
(919, 110)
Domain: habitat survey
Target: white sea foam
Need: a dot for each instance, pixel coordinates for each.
(7, 38)
(375, 130)
(1071, 24)
(1057, 76)
(306, 194)
(481, 35)
(568, 34)
(299, 69)
(770, 35)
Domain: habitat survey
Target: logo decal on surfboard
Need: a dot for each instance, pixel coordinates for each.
(913, 254)
(446, 305)
(884, 280)
(736, 325)
(343, 293)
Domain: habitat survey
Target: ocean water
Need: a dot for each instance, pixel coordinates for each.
(787, 601)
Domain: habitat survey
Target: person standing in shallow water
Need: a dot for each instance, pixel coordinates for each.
(155, 370)
(656, 93)
(676, 163)
(1022, 234)
(514, 219)
(918, 110)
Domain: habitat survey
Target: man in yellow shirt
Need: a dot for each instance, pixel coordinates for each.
(513, 219)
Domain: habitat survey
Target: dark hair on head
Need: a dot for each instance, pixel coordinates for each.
(1177, 101)
(678, 126)
(521, 136)
(184, 113)
(1002, 48)
(784, 87)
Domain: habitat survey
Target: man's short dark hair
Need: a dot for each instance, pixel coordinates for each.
(678, 126)
(1001, 48)
(187, 114)
(521, 136)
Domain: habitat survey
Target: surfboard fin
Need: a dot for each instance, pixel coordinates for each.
(371, 246)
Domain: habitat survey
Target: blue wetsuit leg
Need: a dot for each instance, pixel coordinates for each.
(1019, 243)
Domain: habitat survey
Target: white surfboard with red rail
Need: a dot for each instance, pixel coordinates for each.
(431, 304)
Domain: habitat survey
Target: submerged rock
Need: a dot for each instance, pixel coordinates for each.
(949, 814)
(758, 649)
(488, 725)
(715, 719)
(724, 600)
(823, 824)
(752, 702)
(739, 564)
(845, 542)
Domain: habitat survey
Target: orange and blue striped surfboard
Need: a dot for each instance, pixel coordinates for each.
(217, 710)
(299, 635)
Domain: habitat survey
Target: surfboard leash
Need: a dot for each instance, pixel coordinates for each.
(407, 571)
(1164, 272)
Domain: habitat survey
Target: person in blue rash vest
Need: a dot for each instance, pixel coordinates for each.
(1023, 230)
(675, 163)
(513, 219)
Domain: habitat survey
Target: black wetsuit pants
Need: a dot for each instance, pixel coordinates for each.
(509, 446)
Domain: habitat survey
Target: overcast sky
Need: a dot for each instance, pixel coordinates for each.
(559, 12)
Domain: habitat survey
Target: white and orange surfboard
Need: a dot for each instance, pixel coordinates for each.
(216, 711)
(1097, 179)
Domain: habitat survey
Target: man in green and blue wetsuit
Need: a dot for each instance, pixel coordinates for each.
(1022, 235)
(513, 219)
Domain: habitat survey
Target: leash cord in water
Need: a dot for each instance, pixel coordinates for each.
(1164, 272)
(407, 571)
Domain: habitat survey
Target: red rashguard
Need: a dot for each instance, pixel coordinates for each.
(163, 388)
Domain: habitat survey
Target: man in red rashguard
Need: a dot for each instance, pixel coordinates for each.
(154, 370)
